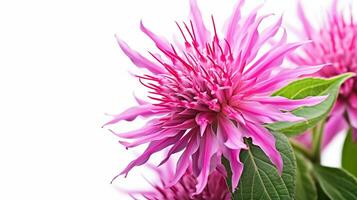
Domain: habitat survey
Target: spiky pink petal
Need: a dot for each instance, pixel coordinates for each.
(202, 33)
(139, 60)
(183, 162)
(132, 113)
(231, 134)
(288, 104)
(335, 125)
(262, 138)
(209, 147)
(235, 164)
(153, 147)
(160, 42)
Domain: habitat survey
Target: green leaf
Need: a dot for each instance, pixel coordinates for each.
(305, 184)
(309, 87)
(321, 195)
(337, 184)
(349, 158)
(261, 179)
(226, 164)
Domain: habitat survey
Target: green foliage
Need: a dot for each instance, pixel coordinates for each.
(349, 157)
(337, 184)
(261, 179)
(305, 184)
(309, 87)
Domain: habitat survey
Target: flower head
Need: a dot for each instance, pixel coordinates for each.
(184, 189)
(210, 92)
(334, 42)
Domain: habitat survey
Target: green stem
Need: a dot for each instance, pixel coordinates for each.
(317, 133)
(301, 148)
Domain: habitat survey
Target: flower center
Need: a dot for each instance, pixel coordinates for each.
(337, 45)
(198, 75)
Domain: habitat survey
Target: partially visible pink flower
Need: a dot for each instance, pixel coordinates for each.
(333, 42)
(305, 139)
(210, 92)
(185, 188)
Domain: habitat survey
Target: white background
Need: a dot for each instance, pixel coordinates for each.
(61, 70)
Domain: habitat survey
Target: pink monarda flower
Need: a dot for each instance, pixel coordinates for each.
(185, 188)
(334, 42)
(211, 92)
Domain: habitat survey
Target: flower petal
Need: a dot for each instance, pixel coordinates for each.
(160, 42)
(184, 160)
(177, 147)
(353, 100)
(276, 58)
(208, 146)
(334, 126)
(352, 116)
(305, 22)
(146, 130)
(285, 76)
(269, 32)
(251, 39)
(266, 141)
(339, 108)
(233, 22)
(133, 112)
(139, 60)
(183, 125)
(203, 119)
(266, 112)
(151, 149)
(200, 29)
(240, 36)
(152, 136)
(236, 166)
(233, 136)
(305, 139)
(290, 104)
